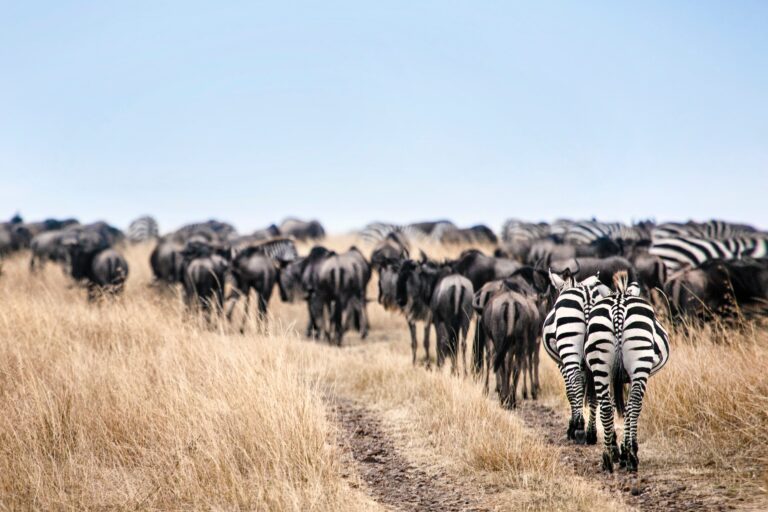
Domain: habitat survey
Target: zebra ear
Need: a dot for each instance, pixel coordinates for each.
(557, 281)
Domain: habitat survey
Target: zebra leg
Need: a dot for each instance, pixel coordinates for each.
(577, 406)
(635, 403)
(591, 434)
(569, 396)
(611, 450)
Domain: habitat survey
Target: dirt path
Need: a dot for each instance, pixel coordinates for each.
(390, 478)
(654, 488)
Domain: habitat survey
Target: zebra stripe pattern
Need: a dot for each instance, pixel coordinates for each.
(143, 229)
(625, 343)
(678, 252)
(564, 331)
(711, 230)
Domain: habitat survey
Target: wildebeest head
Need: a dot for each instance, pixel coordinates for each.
(416, 281)
(289, 279)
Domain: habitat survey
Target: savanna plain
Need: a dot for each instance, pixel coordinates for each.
(136, 404)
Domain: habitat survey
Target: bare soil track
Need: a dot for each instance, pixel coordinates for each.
(652, 488)
(390, 478)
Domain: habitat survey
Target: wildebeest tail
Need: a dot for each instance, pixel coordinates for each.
(509, 316)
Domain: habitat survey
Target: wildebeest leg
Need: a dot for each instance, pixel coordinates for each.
(427, 327)
(478, 345)
(522, 363)
(503, 377)
(488, 364)
(515, 376)
(535, 369)
(245, 310)
(414, 341)
(363, 319)
(337, 323)
(439, 344)
(263, 305)
(234, 295)
(463, 339)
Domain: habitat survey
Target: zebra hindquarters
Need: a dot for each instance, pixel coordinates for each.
(601, 355)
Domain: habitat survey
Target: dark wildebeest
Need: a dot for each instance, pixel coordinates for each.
(533, 282)
(257, 268)
(719, 288)
(47, 246)
(204, 271)
(166, 261)
(341, 284)
(421, 298)
(604, 268)
(92, 261)
(512, 323)
(394, 246)
(549, 249)
(299, 278)
(302, 230)
(481, 269)
(451, 307)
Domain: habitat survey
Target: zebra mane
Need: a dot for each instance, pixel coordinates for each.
(620, 281)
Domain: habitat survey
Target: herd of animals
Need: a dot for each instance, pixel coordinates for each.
(594, 293)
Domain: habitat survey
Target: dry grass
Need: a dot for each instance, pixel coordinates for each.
(133, 405)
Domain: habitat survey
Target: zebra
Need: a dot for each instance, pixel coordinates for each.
(625, 344)
(515, 231)
(685, 251)
(586, 232)
(564, 331)
(712, 229)
(143, 229)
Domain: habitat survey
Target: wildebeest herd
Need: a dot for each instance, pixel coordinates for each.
(596, 293)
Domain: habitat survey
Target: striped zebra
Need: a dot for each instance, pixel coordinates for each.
(710, 230)
(625, 344)
(586, 232)
(143, 229)
(378, 231)
(564, 331)
(516, 231)
(682, 251)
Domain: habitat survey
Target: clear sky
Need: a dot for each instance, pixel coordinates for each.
(390, 110)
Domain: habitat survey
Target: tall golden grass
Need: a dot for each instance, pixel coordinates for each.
(134, 404)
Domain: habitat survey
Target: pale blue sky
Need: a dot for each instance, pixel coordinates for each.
(358, 111)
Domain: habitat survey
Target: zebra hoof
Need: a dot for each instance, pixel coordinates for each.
(591, 436)
(571, 430)
(632, 463)
(607, 462)
(580, 437)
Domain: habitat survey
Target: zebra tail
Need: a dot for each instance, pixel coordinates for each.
(505, 344)
(617, 382)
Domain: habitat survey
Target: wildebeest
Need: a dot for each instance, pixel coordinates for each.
(204, 270)
(422, 299)
(302, 230)
(166, 261)
(299, 279)
(341, 284)
(93, 261)
(451, 307)
(719, 288)
(481, 269)
(257, 268)
(394, 246)
(512, 323)
(604, 268)
(47, 246)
